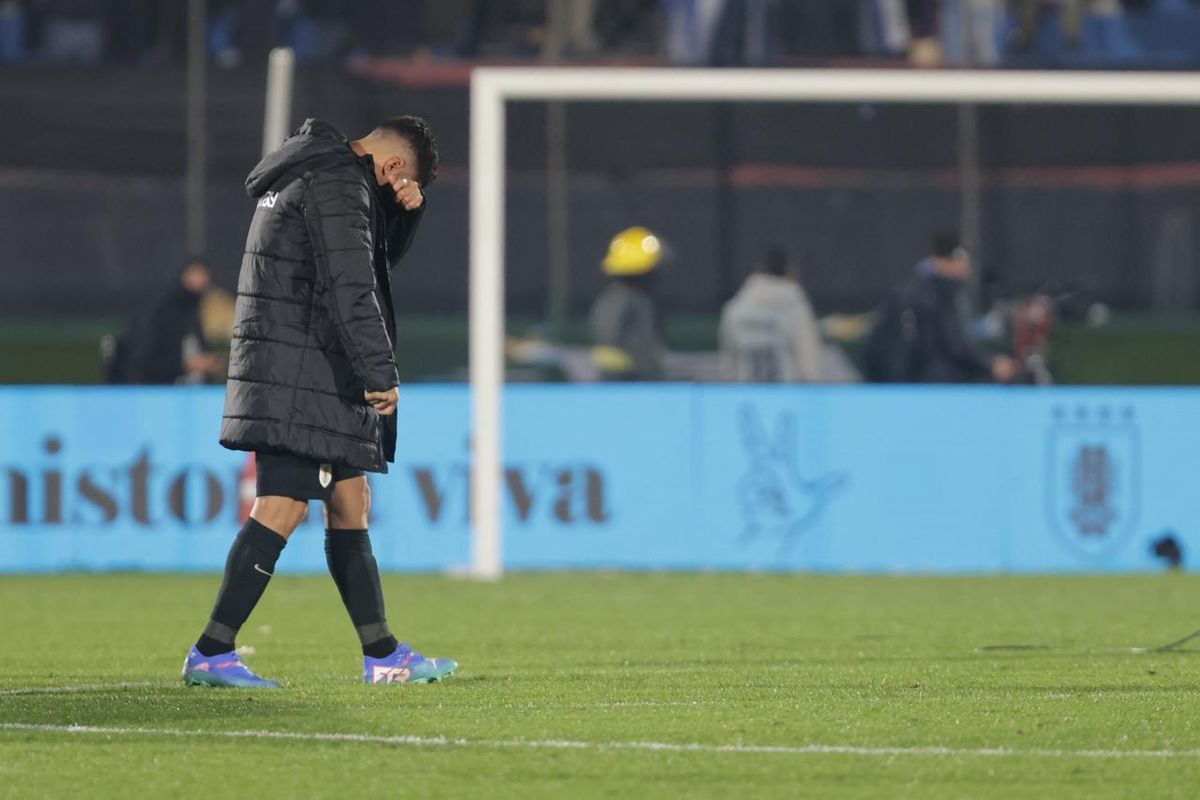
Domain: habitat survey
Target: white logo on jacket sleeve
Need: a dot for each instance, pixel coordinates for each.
(268, 200)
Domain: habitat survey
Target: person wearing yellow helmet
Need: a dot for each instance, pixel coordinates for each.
(625, 316)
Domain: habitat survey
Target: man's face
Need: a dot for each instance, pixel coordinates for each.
(956, 267)
(196, 278)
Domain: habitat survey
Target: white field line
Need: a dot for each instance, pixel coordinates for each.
(97, 687)
(559, 744)
(83, 687)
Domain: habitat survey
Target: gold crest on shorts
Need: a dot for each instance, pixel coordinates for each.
(326, 475)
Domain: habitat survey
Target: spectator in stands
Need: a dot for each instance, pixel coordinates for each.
(883, 27)
(625, 317)
(578, 20)
(971, 32)
(167, 345)
(743, 33)
(817, 29)
(688, 29)
(768, 331)
(920, 335)
(627, 25)
(1071, 13)
(514, 27)
(1029, 18)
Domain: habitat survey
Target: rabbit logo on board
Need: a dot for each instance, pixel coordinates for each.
(775, 498)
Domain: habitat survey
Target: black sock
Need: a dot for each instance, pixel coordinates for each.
(353, 567)
(247, 570)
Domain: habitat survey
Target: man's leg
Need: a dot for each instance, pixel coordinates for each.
(348, 551)
(353, 566)
(248, 569)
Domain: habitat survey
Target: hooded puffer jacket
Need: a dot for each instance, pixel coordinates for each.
(314, 326)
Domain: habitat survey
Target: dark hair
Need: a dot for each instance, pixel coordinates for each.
(776, 262)
(416, 132)
(943, 245)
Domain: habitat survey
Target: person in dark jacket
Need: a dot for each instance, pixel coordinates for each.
(167, 345)
(921, 333)
(944, 352)
(312, 384)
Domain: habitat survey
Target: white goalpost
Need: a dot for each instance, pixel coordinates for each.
(492, 88)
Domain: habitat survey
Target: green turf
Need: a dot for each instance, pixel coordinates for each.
(872, 662)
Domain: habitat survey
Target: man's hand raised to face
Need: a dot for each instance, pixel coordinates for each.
(383, 402)
(408, 193)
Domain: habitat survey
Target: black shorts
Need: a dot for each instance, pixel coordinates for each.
(298, 478)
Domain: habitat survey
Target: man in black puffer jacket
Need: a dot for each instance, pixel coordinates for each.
(312, 385)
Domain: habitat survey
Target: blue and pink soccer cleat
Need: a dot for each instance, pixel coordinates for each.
(223, 669)
(405, 665)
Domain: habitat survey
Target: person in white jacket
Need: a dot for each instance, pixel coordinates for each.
(768, 332)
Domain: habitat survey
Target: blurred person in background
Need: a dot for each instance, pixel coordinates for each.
(168, 344)
(768, 332)
(68, 30)
(818, 29)
(719, 32)
(921, 336)
(580, 20)
(508, 27)
(627, 25)
(122, 31)
(625, 317)
(688, 29)
(883, 27)
(313, 386)
(744, 33)
(1031, 12)
(971, 32)
(1071, 13)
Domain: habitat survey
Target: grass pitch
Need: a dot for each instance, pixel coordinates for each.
(620, 685)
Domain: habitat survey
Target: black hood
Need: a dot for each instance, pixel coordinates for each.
(314, 139)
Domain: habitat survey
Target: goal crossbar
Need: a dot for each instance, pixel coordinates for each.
(493, 87)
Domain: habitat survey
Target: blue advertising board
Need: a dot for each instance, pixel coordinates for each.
(824, 478)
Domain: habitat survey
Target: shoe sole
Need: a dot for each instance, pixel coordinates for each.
(434, 679)
(448, 673)
(202, 679)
